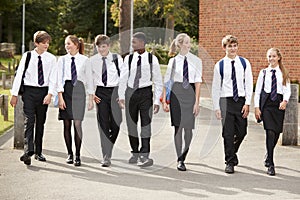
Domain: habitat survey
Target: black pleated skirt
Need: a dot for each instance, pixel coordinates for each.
(272, 116)
(75, 99)
(181, 106)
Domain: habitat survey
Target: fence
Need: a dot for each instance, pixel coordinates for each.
(4, 106)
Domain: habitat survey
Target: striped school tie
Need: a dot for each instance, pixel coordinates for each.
(185, 83)
(138, 74)
(40, 72)
(274, 86)
(234, 84)
(73, 71)
(104, 72)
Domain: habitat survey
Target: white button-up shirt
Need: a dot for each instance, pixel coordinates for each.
(64, 69)
(285, 90)
(244, 81)
(127, 78)
(194, 66)
(94, 70)
(31, 74)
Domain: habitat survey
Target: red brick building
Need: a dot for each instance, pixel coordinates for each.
(258, 25)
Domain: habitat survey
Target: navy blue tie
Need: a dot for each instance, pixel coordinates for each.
(138, 73)
(73, 71)
(274, 86)
(104, 72)
(234, 84)
(185, 83)
(40, 72)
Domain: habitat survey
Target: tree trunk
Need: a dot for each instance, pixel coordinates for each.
(1, 30)
(9, 30)
(124, 28)
(169, 35)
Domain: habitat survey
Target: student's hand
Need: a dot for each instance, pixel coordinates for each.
(196, 109)
(282, 105)
(122, 103)
(156, 108)
(13, 101)
(257, 113)
(97, 99)
(245, 111)
(166, 107)
(90, 104)
(218, 114)
(47, 99)
(61, 103)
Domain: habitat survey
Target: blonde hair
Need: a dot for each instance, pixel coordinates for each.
(229, 39)
(102, 39)
(175, 43)
(285, 72)
(78, 42)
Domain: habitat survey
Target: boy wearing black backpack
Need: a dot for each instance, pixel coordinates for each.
(141, 70)
(232, 89)
(35, 80)
(103, 72)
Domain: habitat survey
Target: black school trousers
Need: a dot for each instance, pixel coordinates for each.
(35, 117)
(234, 127)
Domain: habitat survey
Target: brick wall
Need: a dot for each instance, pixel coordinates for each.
(258, 25)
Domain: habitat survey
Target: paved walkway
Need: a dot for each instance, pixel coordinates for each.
(205, 178)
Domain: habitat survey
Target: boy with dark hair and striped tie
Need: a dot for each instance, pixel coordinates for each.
(37, 72)
(103, 73)
(232, 90)
(141, 70)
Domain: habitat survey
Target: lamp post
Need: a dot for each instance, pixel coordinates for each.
(105, 16)
(131, 25)
(23, 29)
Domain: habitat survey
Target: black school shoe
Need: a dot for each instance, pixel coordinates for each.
(40, 157)
(144, 161)
(229, 169)
(181, 166)
(271, 171)
(77, 161)
(26, 159)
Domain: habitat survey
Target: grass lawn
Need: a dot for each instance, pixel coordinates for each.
(5, 125)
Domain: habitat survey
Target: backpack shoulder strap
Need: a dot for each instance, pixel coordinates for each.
(263, 85)
(28, 56)
(243, 61)
(221, 70)
(129, 63)
(150, 58)
(115, 60)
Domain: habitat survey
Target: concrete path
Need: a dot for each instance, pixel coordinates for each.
(204, 179)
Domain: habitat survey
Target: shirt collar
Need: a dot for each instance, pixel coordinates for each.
(230, 59)
(75, 56)
(183, 56)
(108, 55)
(137, 54)
(276, 68)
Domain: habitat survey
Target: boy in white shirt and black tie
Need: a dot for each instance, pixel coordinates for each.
(141, 70)
(232, 90)
(103, 72)
(39, 86)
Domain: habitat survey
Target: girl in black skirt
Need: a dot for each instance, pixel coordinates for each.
(71, 91)
(272, 94)
(185, 70)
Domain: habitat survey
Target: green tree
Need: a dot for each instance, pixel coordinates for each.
(179, 15)
(9, 15)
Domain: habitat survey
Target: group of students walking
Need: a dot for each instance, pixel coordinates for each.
(136, 85)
